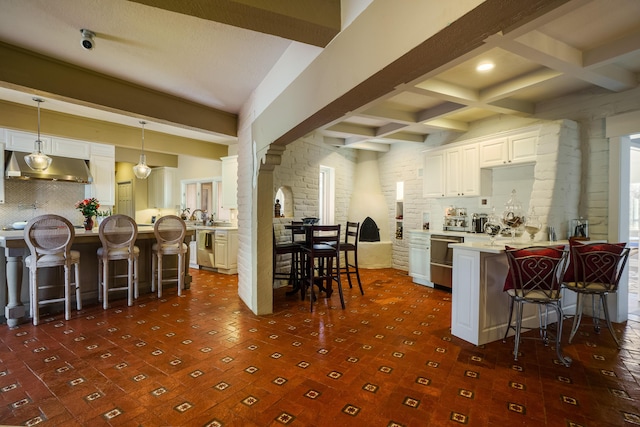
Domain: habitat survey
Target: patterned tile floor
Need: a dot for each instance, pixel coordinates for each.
(204, 359)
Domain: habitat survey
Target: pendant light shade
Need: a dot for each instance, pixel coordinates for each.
(141, 170)
(37, 160)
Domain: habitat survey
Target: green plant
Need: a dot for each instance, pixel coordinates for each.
(104, 213)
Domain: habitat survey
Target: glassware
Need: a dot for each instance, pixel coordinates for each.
(512, 216)
(492, 227)
(532, 224)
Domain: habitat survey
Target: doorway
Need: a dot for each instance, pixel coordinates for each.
(125, 199)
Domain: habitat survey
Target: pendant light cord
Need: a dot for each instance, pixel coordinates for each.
(143, 123)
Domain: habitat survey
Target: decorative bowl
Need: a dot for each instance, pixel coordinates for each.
(310, 221)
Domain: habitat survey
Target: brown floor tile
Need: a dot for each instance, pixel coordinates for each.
(388, 359)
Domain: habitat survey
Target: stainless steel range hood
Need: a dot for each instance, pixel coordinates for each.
(61, 169)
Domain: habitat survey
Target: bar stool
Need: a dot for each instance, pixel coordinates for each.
(169, 231)
(595, 270)
(294, 248)
(350, 245)
(322, 260)
(49, 238)
(534, 277)
(118, 234)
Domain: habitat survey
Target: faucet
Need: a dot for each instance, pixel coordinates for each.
(203, 214)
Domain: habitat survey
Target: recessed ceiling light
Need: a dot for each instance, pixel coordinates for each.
(485, 66)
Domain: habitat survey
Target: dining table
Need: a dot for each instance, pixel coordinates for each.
(16, 290)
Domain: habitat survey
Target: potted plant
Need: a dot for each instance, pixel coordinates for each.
(101, 215)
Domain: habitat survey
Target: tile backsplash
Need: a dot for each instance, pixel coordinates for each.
(27, 199)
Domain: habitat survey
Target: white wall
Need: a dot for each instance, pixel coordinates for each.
(195, 167)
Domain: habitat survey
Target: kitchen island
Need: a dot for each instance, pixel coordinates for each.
(480, 308)
(16, 292)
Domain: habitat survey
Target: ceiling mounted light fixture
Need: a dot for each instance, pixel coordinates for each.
(38, 161)
(485, 66)
(141, 170)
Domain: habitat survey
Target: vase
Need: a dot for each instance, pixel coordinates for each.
(88, 223)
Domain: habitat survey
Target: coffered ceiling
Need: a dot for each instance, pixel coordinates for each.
(214, 57)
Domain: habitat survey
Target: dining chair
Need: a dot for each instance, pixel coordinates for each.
(534, 277)
(169, 231)
(322, 261)
(49, 238)
(117, 234)
(595, 269)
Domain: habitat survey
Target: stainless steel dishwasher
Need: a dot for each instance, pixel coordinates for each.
(442, 259)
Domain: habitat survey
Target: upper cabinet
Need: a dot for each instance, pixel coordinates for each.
(454, 172)
(230, 182)
(102, 165)
(512, 149)
(464, 168)
(163, 188)
(433, 174)
(25, 142)
(53, 146)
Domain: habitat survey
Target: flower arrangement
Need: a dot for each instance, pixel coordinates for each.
(88, 207)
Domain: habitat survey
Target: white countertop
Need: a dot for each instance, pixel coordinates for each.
(500, 245)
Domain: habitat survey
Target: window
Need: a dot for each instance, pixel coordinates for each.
(326, 195)
(205, 195)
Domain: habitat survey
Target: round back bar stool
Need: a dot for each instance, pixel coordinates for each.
(118, 234)
(169, 231)
(49, 238)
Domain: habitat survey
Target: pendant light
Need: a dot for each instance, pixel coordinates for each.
(37, 160)
(141, 170)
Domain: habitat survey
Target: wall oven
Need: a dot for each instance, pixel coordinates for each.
(442, 259)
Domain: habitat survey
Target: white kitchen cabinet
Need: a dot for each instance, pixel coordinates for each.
(53, 146)
(433, 174)
(420, 257)
(230, 182)
(508, 150)
(162, 190)
(102, 164)
(226, 251)
(25, 142)
(71, 148)
(459, 170)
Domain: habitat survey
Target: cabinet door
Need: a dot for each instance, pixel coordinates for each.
(494, 153)
(452, 172)
(103, 171)
(230, 182)
(522, 148)
(469, 170)
(221, 255)
(420, 257)
(161, 188)
(73, 149)
(25, 142)
(433, 175)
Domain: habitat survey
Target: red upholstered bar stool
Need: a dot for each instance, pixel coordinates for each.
(49, 238)
(535, 278)
(595, 269)
(118, 234)
(169, 231)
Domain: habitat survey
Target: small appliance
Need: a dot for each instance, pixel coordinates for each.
(478, 222)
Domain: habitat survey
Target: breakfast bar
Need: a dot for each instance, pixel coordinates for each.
(480, 308)
(87, 243)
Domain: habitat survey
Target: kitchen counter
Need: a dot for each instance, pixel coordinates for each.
(480, 308)
(87, 242)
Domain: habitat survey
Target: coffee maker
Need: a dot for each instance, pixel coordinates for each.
(477, 222)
